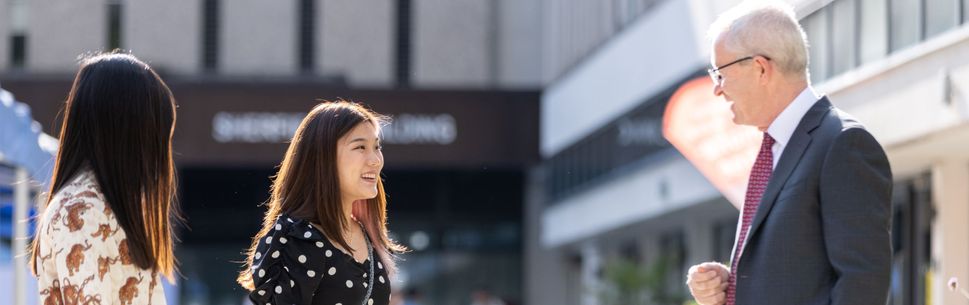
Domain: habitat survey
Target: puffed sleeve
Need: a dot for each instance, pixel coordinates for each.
(288, 265)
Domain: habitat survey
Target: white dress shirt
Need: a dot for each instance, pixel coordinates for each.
(783, 126)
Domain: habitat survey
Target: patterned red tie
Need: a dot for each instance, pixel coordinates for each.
(759, 175)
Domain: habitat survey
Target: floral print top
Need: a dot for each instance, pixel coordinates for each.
(83, 254)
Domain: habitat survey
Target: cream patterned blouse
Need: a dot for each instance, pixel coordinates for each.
(83, 253)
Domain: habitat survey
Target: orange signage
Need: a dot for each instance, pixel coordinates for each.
(700, 125)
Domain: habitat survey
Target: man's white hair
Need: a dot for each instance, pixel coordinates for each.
(766, 28)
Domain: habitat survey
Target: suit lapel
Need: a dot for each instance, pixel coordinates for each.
(789, 160)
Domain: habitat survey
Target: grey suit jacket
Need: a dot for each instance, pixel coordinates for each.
(821, 232)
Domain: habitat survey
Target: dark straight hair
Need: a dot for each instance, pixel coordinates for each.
(118, 122)
(307, 185)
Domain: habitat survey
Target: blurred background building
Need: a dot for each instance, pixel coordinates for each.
(460, 78)
(527, 154)
(615, 211)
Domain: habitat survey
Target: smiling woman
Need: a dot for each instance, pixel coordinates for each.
(327, 214)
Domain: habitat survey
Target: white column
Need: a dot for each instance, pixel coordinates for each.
(21, 197)
(950, 231)
(591, 264)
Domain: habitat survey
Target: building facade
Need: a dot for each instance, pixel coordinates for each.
(612, 193)
(459, 78)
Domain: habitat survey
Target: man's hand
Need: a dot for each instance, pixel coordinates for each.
(708, 283)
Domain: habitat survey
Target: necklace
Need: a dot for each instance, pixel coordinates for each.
(370, 275)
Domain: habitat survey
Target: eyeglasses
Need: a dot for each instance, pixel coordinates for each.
(715, 71)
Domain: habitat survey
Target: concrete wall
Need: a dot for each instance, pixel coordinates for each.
(258, 38)
(355, 38)
(59, 31)
(166, 34)
(452, 43)
(519, 48)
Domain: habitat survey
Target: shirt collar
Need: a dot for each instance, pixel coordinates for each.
(783, 126)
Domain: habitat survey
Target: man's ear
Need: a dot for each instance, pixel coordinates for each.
(765, 69)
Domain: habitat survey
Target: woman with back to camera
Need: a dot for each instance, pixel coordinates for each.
(324, 238)
(106, 233)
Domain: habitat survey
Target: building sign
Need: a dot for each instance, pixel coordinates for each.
(407, 128)
(279, 127)
(239, 123)
(255, 127)
(700, 125)
(647, 131)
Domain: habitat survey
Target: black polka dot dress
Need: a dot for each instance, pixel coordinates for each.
(296, 264)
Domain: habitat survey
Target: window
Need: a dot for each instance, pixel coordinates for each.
(905, 24)
(210, 35)
(403, 43)
(848, 33)
(940, 16)
(911, 240)
(843, 48)
(307, 27)
(816, 27)
(874, 30)
(114, 24)
(625, 11)
(965, 10)
(18, 50)
(18, 33)
(623, 142)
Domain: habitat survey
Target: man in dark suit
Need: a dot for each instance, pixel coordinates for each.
(816, 221)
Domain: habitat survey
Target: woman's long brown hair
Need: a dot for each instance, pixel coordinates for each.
(307, 185)
(118, 122)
